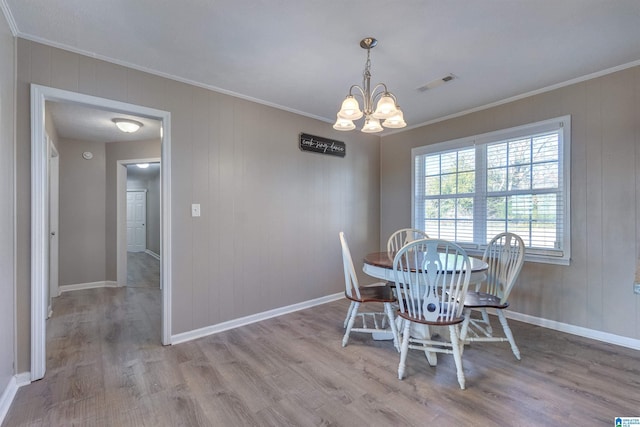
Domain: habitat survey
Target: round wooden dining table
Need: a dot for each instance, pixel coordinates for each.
(380, 266)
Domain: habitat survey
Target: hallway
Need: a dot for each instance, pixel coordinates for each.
(143, 270)
(97, 340)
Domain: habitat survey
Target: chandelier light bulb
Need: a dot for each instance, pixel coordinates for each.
(350, 109)
(386, 107)
(371, 125)
(396, 121)
(343, 124)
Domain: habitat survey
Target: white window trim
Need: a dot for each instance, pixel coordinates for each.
(564, 123)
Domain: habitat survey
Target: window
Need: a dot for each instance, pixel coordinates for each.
(470, 189)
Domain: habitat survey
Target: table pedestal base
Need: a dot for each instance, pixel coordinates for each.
(382, 335)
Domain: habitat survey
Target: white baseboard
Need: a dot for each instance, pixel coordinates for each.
(91, 285)
(235, 323)
(538, 321)
(575, 330)
(23, 378)
(153, 254)
(6, 398)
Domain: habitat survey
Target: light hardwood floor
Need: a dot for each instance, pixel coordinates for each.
(106, 367)
(143, 270)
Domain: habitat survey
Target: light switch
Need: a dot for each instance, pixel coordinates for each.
(195, 209)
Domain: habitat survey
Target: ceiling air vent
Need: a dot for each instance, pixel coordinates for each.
(435, 83)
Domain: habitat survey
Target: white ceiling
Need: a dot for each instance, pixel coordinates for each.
(303, 55)
(73, 121)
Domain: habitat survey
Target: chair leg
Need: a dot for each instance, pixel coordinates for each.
(508, 334)
(346, 319)
(392, 324)
(457, 354)
(354, 313)
(486, 321)
(404, 349)
(464, 329)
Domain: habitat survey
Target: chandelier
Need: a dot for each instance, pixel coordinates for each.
(386, 107)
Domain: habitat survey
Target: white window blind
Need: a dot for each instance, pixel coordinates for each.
(516, 180)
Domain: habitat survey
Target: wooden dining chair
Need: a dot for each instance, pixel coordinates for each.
(381, 293)
(403, 236)
(505, 256)
(432, 276)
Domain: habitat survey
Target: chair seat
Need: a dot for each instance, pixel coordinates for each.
(440, 321)
(482, 299)
(381, 293)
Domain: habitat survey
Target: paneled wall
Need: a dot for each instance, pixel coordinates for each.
(7, 221)
(595, 291)
(81, 212)
(268, 234)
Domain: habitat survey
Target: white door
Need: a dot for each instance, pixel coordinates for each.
(136, 220)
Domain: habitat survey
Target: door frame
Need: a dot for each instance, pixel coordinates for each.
(54, 221)
(40, 210)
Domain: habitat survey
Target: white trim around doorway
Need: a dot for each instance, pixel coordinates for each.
(39, 210)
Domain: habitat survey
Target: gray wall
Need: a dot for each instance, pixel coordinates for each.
(265, 204)
(595, 291)
(148, 179)
(121, 151)
(82, 212)
(7, 225)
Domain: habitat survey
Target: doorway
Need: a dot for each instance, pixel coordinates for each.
(143, 225)
(40, 252)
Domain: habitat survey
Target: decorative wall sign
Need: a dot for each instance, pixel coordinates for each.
(318, 144)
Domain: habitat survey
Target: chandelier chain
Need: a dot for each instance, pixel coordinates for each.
(367, 66)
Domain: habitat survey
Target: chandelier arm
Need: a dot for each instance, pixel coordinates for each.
(356, 87)
(376, 96)
(363, 94)
(380, 85)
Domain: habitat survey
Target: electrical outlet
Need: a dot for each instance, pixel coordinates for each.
(195, 209)
(636, 288)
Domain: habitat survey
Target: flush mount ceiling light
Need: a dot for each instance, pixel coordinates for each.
(142, 165)
(386, 108)
(127, 125)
